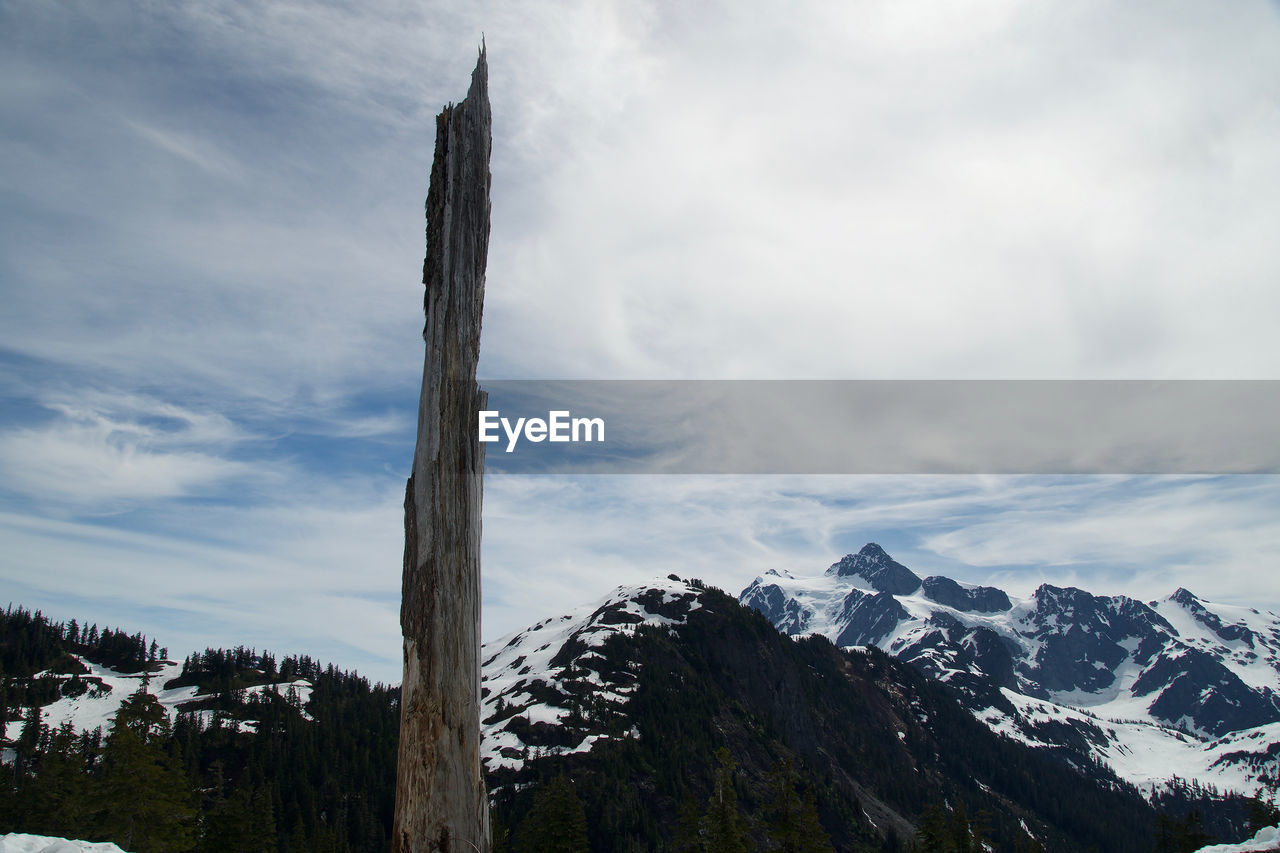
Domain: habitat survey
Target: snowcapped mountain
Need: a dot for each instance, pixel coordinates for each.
(633, 696)
(548, 689)
(1177, 687)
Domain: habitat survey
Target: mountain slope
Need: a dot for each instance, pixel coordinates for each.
(676, 670)
(292, 756)
(632, 697)
(1173, 687)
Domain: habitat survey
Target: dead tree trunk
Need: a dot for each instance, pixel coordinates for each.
(441, 804)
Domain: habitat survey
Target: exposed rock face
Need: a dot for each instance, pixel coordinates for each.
(441, 803)
(592, 690)
(869, 618)
(979, 599)
(1101, 677)
(878, 569)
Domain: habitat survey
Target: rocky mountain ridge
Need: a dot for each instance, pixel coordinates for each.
(631, 697)
(1177, 687)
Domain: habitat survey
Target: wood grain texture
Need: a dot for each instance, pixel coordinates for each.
(441, 803)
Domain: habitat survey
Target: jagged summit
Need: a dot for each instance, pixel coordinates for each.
(1184, 596)
(1173, 678)
(873, 565)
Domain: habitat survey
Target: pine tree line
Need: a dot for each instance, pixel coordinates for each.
(236, 770)
(1193, 815)
(260, 777)
(748, 741)
(129, 787)
(29, 643)
(556, 821)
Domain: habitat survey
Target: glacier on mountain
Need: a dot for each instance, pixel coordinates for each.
(1177, 687)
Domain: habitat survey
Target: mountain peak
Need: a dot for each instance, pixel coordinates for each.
(1085, 656)
(534, 678)
(874, 565)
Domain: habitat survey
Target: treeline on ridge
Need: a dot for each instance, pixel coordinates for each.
(747, 741)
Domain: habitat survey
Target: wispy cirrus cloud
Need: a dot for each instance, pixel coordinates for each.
(99, 451)
(318, 570)
(193, 150)
(1141, 536)
(318, 576)
(211, 227)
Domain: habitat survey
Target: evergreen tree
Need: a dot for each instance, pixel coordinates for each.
(243, 822)
(932, 835)
(298, 839)
(328, 777)
(29, 737)
(688, 830)
(1191, 834)
(556, 823)
(1262, 811)
(793, 819)
(980, 830)
(498, 835)
(145, 804)
(59, 796)
(1184, 835)
(1027, 844)
(725, 830)
(958, 831)
(1165, 835)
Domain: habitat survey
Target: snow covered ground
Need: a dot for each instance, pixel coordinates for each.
(18, 843)
(1147, 753)
(95, 708)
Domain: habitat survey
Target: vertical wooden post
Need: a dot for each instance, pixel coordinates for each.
(441, 804)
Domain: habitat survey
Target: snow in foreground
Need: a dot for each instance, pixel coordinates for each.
(18, 843)
(1267, 838)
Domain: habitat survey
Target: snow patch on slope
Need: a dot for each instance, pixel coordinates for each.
(1144, 753)
(108, 689)
(532, 678)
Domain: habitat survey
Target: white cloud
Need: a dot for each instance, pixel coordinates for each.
(901, 197)
(193, 150)
(216, 207)
(548, 538)
(320, 576)
(100, 450)
(998, 190)
(1143, 537)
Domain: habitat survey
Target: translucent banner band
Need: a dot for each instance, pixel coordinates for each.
(881, 427)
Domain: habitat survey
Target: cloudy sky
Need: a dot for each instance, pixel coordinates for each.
(211, 231)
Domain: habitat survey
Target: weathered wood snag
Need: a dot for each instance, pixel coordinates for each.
(441, 804)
